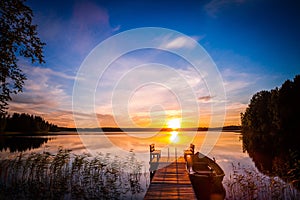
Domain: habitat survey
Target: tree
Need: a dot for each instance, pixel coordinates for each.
(25, 123)
(18, 38)
(275, 112)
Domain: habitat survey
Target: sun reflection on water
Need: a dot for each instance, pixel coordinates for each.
(174, 137)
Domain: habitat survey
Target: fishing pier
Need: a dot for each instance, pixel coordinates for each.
(169, 177)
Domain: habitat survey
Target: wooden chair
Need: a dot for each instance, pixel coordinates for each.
(192, 148)
(189, 151)
(154, 153)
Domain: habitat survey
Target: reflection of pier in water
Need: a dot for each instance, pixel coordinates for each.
(21, 143)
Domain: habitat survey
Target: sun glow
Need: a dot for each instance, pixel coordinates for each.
(174, 123)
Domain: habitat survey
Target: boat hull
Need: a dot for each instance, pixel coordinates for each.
(206, 176)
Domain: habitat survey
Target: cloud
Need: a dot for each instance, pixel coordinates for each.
(179, 42)
(213, 7)
(45, 94)
(89, 23)
(236, 81)
(136, 95)
(46, 72)
(233, 111)
(235, 85)
(168, 89)
(205, 98)
(106, 120)
(77, 33)
(88, 13)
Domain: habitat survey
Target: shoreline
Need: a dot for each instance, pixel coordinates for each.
(90, 132)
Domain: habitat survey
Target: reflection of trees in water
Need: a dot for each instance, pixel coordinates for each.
(276, 160)
(20, 144)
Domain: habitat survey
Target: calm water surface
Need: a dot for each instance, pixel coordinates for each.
(227, 151)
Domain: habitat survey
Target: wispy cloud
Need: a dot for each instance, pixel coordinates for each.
(237, 81)
(179, 42)
(205, 98)
(89, 23)
(233, 111)
(77, 33)
(46, 72)
(44, 94)
(147, 94)
(236, 85)
(213, 7)
(166, 93)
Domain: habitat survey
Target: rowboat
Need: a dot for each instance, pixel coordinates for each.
(206, 176)
(203, 166)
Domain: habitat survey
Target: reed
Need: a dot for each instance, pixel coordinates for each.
(69, 176)
(247, 183)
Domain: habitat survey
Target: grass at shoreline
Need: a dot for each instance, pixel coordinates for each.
(247, 183)
(70, 176)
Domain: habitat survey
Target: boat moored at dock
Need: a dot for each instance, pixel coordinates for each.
(206, 176)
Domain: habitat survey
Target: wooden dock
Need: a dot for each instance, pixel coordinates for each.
(170, 181)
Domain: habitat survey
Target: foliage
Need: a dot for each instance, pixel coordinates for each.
(18, 37)
(270, 129)
(246, 183)
(274, 114)
(70, 176)
(2, 122)
(25, 123)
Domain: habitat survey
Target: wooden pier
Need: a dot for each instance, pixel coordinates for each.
(171, 179)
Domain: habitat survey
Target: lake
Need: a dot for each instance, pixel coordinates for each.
(227, 150)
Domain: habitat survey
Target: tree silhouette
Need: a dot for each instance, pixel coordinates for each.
(18, 37)
(275, 112)
(26, 123)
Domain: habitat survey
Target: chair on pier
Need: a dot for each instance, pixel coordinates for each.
(189, 151)
(154, 153)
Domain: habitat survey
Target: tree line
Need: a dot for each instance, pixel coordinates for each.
(25, 123)
(274, 115)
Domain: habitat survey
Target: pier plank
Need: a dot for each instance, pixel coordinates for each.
(170, 182)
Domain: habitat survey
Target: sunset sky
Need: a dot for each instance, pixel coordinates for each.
(255, 45)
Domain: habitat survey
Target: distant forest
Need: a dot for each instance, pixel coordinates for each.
(25, 123)
(271, 130)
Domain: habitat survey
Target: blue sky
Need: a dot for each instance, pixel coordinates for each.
(255, 45)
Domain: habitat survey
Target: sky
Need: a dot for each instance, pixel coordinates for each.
(254, 45)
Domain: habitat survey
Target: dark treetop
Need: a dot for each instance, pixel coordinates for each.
(18, 38)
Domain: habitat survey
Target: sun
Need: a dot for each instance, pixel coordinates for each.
(174, 123)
